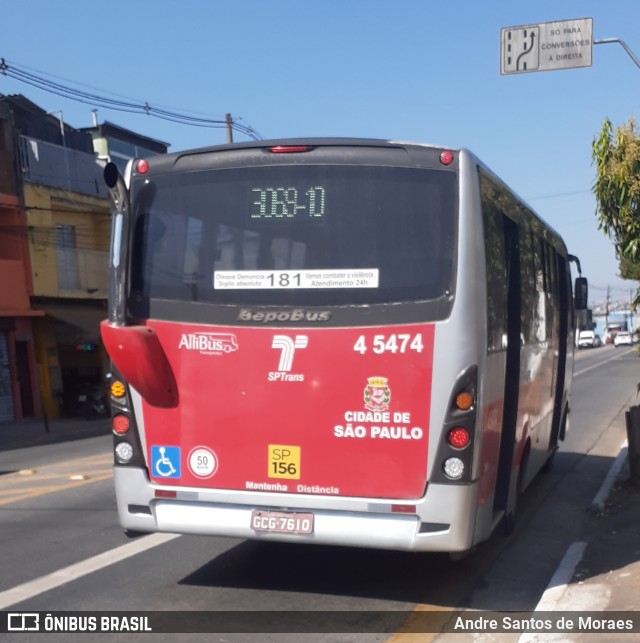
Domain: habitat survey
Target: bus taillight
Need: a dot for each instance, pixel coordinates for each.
(464, 401)
(142, 166)
(459, 437)
(446, 157)
(120, 424)
(290, 149)
(454, 468)
(118, 389)
(165, 493)
(456, 445)
(123, 452)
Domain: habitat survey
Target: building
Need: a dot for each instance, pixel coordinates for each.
(18, 374)
(56, 210)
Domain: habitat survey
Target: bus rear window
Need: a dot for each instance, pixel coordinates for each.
(295, 235)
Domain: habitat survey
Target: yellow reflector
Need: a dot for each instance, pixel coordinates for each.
(464, 401)
(117, 389)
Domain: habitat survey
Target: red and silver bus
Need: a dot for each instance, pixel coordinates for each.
(336, 341)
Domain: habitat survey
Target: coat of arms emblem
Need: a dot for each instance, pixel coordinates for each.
(377, 394)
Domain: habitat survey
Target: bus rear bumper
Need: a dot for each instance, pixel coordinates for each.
(445, 523)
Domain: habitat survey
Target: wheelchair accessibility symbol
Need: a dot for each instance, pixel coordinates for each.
(165, 462)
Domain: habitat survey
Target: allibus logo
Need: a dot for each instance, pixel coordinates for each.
(209, 343)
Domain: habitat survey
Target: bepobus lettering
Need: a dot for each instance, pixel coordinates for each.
(295, 315)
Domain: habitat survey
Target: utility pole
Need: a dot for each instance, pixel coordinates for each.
(606, 310)
(229, 122)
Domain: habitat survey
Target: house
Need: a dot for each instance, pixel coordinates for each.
(55, 227)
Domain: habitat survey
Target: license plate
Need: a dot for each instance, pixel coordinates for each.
(281, 522)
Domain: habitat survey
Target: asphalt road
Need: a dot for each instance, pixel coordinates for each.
(62, 549)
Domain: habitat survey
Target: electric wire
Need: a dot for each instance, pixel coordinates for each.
(121, 104)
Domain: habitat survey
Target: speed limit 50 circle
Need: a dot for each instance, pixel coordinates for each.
(203, 462)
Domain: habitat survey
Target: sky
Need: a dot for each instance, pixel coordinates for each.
(426, 71)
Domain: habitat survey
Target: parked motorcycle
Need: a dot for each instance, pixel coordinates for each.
(92, 403)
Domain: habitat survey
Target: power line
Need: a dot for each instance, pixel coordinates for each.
(121, 104)
(558, 195)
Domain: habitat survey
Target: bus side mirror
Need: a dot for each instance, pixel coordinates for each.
(581, 293)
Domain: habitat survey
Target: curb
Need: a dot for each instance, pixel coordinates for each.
(561, 579)
(600, 499)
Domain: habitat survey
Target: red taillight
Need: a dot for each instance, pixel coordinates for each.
(290, 149)
(403, 509)
(458, 437)
(446, 157)
(142, 166)
(164, 493)
(120, 424)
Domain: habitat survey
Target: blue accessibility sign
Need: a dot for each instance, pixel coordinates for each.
(165, 461)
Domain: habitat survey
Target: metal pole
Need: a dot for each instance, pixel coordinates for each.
(623, 44)
(229, 121)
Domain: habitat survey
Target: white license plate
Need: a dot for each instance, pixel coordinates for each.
(281, 522)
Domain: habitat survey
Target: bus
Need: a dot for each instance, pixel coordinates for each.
(333, 341)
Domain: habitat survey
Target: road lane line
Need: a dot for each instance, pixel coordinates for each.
(590, 368)
(11, 496)
(65, 575)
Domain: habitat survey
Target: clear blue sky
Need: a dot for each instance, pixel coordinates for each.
(419, 70)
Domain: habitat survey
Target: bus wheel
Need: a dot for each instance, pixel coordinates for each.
(511, 517)
(456, 556)
(548, 465)
(130, 533)
(510, 520)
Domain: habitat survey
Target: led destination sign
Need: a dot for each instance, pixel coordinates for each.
(288, 202)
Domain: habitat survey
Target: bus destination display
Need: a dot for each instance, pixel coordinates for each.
(288, 202)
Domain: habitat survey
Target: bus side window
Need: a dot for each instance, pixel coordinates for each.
(528, 295)
(496, 265)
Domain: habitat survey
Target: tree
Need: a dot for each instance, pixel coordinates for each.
(616, 154)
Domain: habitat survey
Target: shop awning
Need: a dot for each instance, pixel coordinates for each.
(86, 318)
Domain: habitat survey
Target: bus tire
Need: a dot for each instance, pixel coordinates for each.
(511, 517)
(548, 465)
(130, 533)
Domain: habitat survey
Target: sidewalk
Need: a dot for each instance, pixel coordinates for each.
(608, 575)
(601, 579)
(35, 432)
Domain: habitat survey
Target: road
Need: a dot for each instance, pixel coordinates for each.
(62, 549)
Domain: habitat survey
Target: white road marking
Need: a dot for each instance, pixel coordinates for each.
(602, 495)
(37, 586)
(617, 355)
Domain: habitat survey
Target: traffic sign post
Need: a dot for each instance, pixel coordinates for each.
(546, 46)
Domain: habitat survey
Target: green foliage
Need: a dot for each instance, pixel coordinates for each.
(616, 154)
(629, 269)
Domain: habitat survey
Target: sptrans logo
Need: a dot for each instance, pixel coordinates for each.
(287, 347)
(209, 343)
